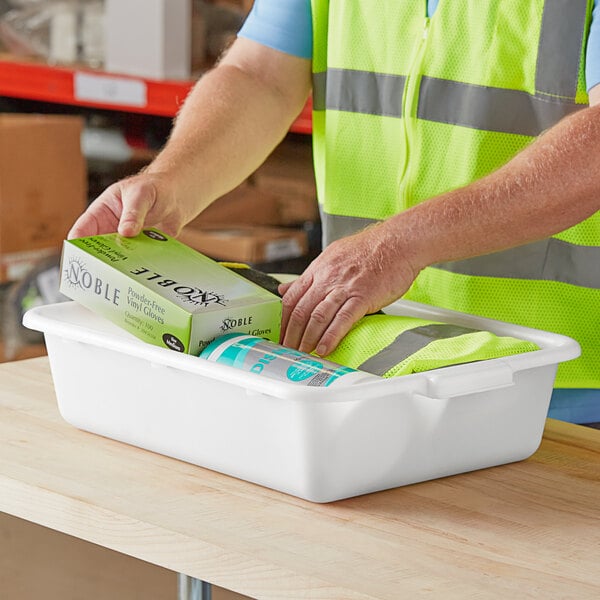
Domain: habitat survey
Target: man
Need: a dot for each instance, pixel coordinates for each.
(456, 160)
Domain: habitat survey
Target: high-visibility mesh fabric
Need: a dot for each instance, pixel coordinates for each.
(467, 38)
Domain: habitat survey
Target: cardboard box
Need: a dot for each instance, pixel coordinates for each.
(247, 203)
(263, 200)
(164, 292)
(288, 175)
(296, 198)
(148, 38)
(43, 187)
(242, 243)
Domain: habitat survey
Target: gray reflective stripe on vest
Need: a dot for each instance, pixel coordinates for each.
(408, 343)
(548, 260)
(358, 92)
(474, 106)
(489, 109)
(558, 66)
(337, 226)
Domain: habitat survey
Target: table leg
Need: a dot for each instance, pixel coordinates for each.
(190, 588)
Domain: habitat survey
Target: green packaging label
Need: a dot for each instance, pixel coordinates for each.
(164, 292)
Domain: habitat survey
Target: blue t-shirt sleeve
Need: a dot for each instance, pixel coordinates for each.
(284, 26)
(592, 58)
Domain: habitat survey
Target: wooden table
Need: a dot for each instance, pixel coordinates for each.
(525, 530)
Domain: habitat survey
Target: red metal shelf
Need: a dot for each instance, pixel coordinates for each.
(108, 91)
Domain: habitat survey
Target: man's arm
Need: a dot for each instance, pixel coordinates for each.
(551, 185)
(232, 119)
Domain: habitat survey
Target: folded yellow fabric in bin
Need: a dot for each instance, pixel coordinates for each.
(389, 345)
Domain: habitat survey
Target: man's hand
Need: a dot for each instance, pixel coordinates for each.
(354, 276)
(129, 205)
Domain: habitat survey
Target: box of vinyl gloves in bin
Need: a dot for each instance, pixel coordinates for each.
(164, 292)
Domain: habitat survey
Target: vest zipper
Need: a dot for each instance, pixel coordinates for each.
(409, 111)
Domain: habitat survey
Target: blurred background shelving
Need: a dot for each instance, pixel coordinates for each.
(56, 61)
(96, 89)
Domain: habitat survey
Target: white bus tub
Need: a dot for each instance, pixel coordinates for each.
(321, 444)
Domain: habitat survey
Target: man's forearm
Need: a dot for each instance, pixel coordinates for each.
(230, 122)
(551, 185)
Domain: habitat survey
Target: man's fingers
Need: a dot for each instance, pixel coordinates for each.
(102, 216)
(131, 223)
(297, 322)
(321, 318)
(282, 288)
(85, 225)
(348, 314)
(292, 294)
(137, 201)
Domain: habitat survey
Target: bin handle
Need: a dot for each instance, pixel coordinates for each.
(476, 377)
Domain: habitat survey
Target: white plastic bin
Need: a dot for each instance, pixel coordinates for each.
(321, 444)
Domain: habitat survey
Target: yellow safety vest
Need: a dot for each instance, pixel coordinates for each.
(407, 107)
